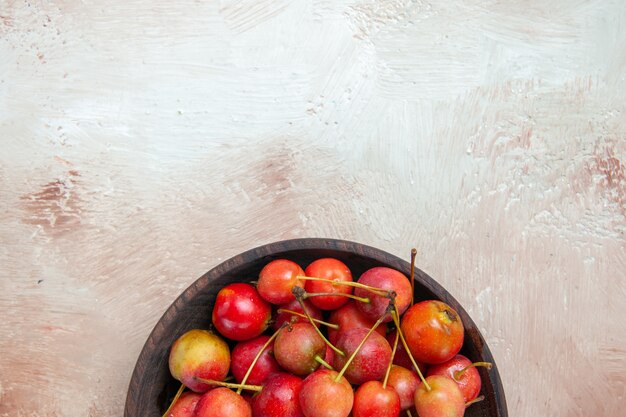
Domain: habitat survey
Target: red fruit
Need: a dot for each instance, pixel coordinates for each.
(199, 354)
(404, 382)
(469, 381)
(277, 279)
(240, 313)
(329, 356)
(243, 355)
(321, 396)
(279, 397)
(185, 405)
(349, 317)
(333, 269)
(386, 279)
(296, 348)
(433, 331)
(443, 400)
(372, 400)
(295, 306)
(401, 357)
(371, 361)
(221, 402)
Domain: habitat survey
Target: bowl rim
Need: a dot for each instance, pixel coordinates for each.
(303, 244)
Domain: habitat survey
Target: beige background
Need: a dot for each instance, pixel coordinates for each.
(143, 142)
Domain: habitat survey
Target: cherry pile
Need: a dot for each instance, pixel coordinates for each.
(316, 343)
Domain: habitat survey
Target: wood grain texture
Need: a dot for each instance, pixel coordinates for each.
(144, 142)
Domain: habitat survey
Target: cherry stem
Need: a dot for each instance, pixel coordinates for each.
(378, 322)
(258, 355)
(323, 362)
(295, 313)
(379, 291)
(458, 374)
(326, 294)
(408, 413)
(395, 314)
(413, 255)
(393, 354)
(300, 294)
(178, 393)
(229, 385)
(474, 401)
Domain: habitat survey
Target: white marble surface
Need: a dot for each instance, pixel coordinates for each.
(142, 142)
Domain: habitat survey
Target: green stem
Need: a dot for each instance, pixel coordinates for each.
(351, 358)
(395, 314)
(393, 354)
(323, 362)
(378, 291)
(176, 397)
(258, 355)
(474, 401)
(326, 294)
(229, 385)
(295, 313)
(300, 294)
(458, 374)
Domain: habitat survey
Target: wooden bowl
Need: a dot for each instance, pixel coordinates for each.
(151, 386)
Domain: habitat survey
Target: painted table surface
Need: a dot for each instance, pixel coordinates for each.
(143, 142)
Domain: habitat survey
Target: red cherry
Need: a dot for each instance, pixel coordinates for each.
(433, 331)
(444, 399)
(387, 279)
(371, 361)
(324, 396)
(333, 269)
(185, 405)
(349, 317)
(296, 348)
(461, 371)
(221, 402)
(199, 354)
(277, 279)
(244, 353)
(373, 400)
(404, 382)
(279, 397)
(240, 313)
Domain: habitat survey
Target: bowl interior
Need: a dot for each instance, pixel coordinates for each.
(151, 386)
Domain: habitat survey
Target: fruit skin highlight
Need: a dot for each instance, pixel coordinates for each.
(373, 400)
(469, 382)
(244, 353)
(443, 400)
(277, 279)
(333, 269)
(280, 397)
(404, 382)
(296, 348)
(433, 331)
(202, 354)
(222, 402)
(322, 396)
(240, 313)
(371, 361)
(386, 279)
(185, 406)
